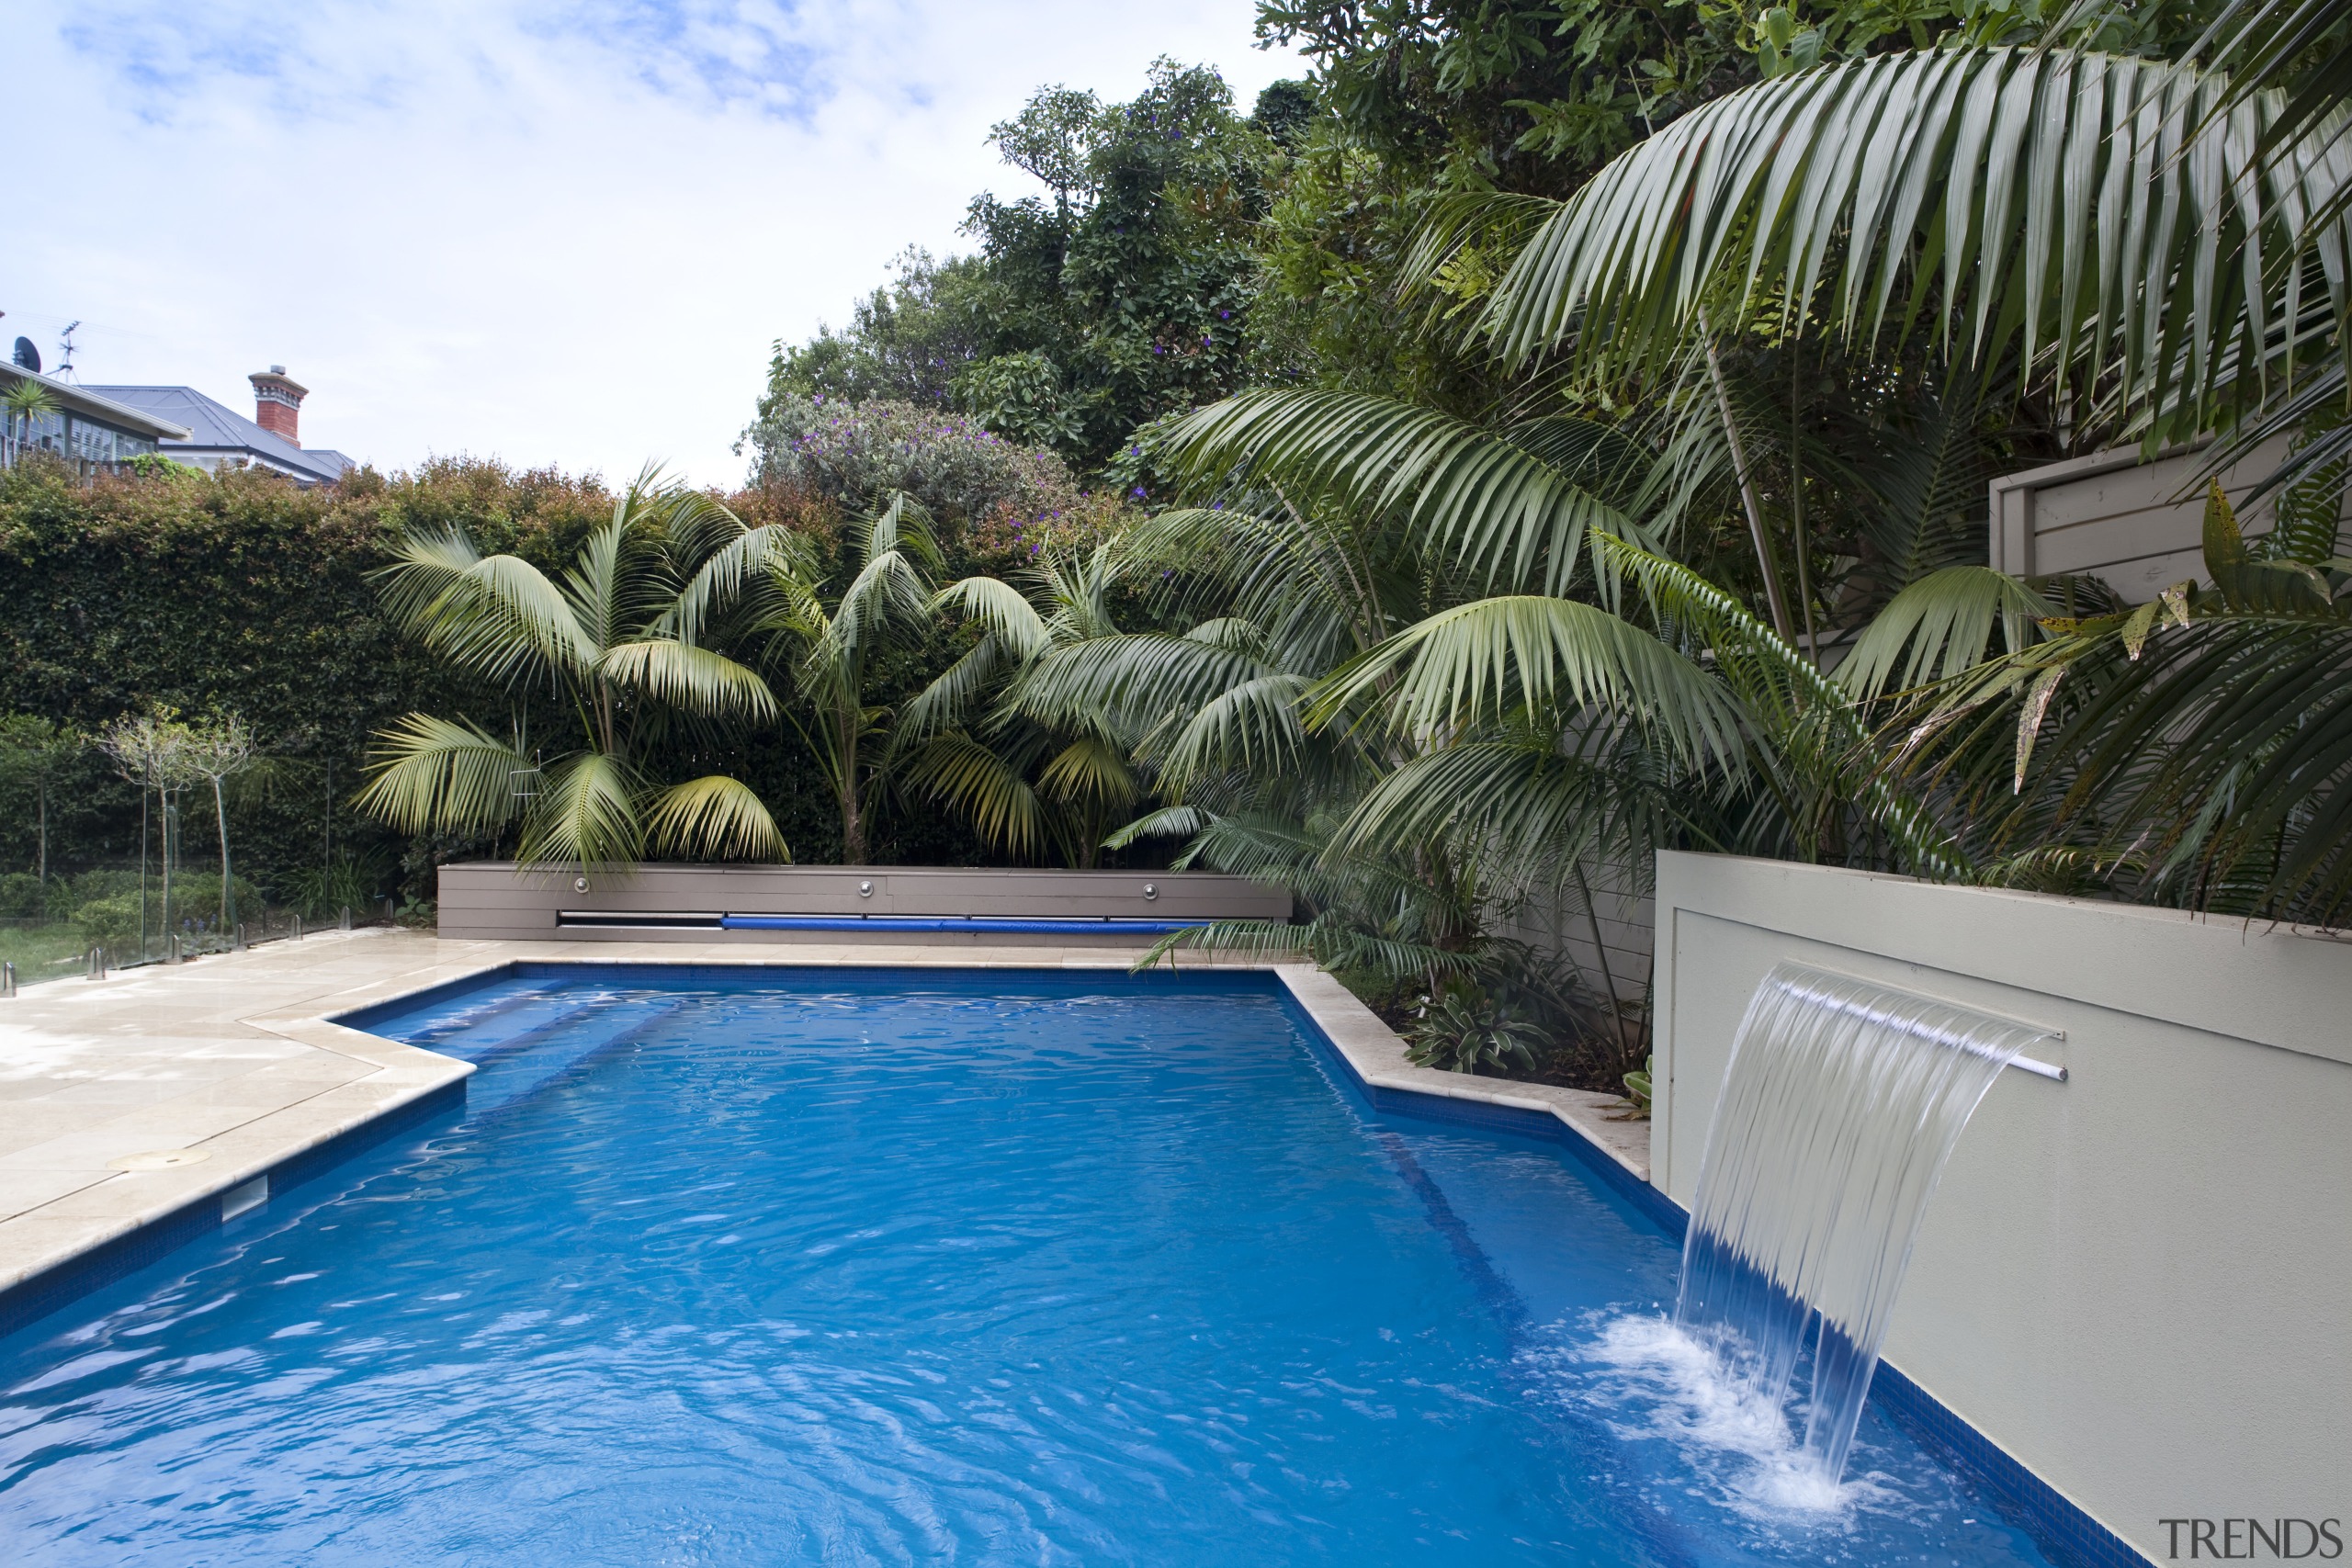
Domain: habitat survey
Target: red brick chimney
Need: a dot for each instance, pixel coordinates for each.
(277, 404)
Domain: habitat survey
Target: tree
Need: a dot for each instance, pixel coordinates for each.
(1120, 295)
(905, 343)
(833, 654)
(151, 751)
(1025, 784)
(215, 750)
(26, 402)
(618, 639)
(37, 753)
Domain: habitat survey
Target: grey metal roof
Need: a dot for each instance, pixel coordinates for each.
(214, 427)
(97, 404)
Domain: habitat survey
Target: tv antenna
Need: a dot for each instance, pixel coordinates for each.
(65, 350)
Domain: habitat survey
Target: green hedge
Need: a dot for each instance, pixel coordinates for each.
(245, 594)
(238, 593)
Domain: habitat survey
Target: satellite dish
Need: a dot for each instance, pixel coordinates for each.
(27, 357)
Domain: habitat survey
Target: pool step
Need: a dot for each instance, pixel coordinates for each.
(513, 1020)
(519, 1073)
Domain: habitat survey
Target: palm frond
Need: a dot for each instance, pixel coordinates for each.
(1167, 822)
(979, 787)
(1556, 656)
(1535, 805)
(1138, 678)
(1089, 771)
(955, 695)
(1494, 503)
(1003, 609)
(901, 527)
(586, 815)
(2093, 212)
(688, 677)
(436, 775)
(1824, 760)
(714, 817)
(2210, 763)
(1942, 625)
(497, 614)
(731, 567)
(1253, 726)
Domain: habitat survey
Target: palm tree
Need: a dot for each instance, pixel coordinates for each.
(618, 641)
(25, 402)
(834, 654)
(1025, 784)
(1369, 682)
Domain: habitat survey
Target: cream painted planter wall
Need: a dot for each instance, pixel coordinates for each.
(2138, 1283)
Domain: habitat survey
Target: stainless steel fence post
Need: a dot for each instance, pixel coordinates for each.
(344, 924)
(8, 979)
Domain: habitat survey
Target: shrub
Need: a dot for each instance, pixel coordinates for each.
(108, 908)
(1463, 1036)
(20, 896)
(351, 883)
(110, 923)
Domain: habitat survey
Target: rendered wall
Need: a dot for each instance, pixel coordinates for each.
(2139, 1281)
(496, 900)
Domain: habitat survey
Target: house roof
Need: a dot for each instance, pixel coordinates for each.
(96, 403)
(214, 427)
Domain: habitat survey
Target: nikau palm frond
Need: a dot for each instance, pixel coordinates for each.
(714, 814)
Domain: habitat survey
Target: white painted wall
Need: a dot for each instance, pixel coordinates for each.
(2138, 1283)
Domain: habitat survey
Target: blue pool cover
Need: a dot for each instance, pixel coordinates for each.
(799, 1266)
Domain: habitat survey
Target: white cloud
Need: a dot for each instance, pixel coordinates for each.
(556, 233)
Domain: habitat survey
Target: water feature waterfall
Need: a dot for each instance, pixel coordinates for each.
(1842, 1100)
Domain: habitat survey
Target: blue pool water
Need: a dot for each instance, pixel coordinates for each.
(827, 1267)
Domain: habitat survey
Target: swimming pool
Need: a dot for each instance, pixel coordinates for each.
(874, 1267)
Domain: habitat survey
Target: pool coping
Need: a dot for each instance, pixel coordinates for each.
(407, 1085)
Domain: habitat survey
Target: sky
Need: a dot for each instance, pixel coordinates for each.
(560, 233)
